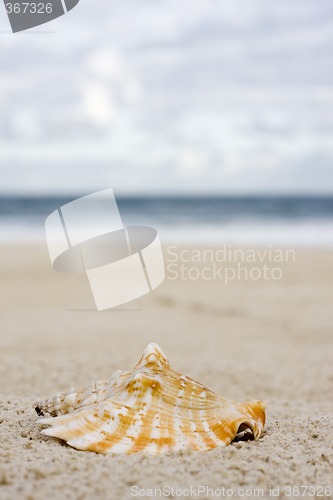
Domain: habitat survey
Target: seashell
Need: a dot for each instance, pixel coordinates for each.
(150, 408)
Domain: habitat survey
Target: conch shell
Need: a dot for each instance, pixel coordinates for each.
(150, 408)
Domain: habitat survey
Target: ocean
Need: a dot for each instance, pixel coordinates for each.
(239, 220)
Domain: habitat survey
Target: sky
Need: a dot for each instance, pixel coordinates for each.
(191, 96)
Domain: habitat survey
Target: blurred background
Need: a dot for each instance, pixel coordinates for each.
(231, 102)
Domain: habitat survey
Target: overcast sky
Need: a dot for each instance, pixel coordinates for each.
(146, 96)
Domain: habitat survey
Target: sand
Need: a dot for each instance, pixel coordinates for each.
(255, 339)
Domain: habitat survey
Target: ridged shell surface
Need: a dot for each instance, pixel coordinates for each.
(151, 409)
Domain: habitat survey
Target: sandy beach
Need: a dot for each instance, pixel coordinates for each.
(248, 339)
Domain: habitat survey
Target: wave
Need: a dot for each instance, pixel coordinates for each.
(275, 220)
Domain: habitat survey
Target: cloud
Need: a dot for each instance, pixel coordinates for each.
(170, 95)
